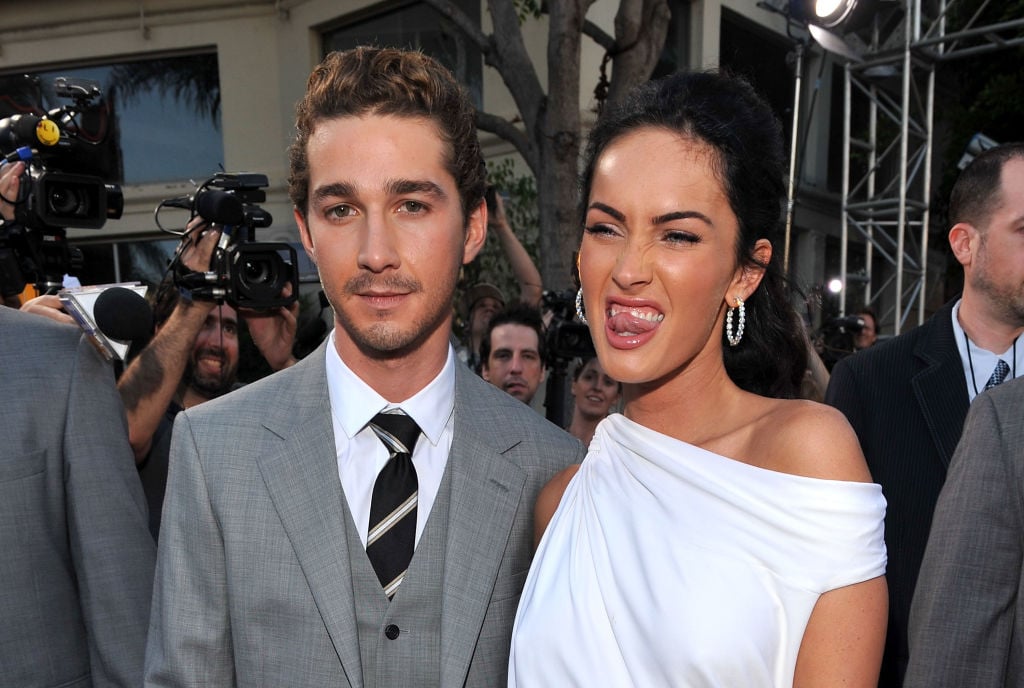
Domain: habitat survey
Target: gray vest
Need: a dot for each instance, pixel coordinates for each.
(400, 641)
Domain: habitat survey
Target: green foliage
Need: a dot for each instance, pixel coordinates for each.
(519, 193)
(528, 8)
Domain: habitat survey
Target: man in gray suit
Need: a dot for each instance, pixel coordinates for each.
(76, 558)
(264, 575)
(967, 619)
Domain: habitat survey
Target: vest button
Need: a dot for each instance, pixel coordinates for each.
(392, 631)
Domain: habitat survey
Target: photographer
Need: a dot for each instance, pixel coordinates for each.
(47, 305)
(483, 300)
(192, 358)
(10, 174)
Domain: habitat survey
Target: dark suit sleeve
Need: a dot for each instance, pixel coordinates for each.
(111, 548)
(190, 634)
(963, 612)
(844, 393)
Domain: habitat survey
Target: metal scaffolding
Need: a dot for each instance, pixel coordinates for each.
(886, 183)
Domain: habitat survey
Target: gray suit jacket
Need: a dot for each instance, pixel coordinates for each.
(76, 558)
(253, 584)
(967, 618)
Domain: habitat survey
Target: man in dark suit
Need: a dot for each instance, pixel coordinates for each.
(277, 565)
(907, 398)
(967, 620)
(76, 559)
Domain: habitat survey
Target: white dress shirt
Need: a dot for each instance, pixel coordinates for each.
(361, 455)
(980, 363)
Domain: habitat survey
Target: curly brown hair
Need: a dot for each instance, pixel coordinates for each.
(388, 81)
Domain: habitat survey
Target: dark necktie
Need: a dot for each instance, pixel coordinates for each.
(1000, 373)
(392, 529)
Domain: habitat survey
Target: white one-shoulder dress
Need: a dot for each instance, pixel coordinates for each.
(668, 565)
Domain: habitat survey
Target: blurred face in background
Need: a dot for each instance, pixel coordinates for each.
(595, 391)
(480, 317)
(868, 334)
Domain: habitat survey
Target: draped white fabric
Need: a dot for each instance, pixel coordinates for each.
(667, 565)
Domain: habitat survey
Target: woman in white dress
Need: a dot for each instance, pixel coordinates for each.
(720, 532)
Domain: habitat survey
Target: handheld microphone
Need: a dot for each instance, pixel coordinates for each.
(111, 315)
(123, 314)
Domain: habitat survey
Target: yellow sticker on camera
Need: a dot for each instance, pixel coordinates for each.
(47, 132)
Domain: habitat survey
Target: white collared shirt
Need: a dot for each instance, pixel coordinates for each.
(981, 363)
(361, 455)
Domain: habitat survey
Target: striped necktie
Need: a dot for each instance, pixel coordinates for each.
(392, 528)
(1000, 373)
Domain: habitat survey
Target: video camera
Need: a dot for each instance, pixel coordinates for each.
(243, 272)
(837, 338)
(566, 339)
(58, 189)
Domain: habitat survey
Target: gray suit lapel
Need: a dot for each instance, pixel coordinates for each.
(302, 479)
(486, 491)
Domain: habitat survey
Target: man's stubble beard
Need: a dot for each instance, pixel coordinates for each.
(1007, 301)
(388, 339)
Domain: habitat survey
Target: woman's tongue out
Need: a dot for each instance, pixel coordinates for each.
(633, 321)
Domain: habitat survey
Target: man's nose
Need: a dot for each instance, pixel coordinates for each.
(376, 247)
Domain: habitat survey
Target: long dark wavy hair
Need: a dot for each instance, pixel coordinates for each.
(723, 111)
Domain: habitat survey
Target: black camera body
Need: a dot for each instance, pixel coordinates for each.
(60, 188)
(243, 272)
(566, 339)
(837, 338)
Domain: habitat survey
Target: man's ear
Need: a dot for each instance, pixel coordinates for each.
(307, 240)
(963, 242)
(485, 373)
(476, 233)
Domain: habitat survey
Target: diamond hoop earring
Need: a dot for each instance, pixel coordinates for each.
(735, 340)
(579, 306)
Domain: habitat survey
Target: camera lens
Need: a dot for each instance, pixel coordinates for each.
(261, 271)
(261, 274)
(67, 201)
(258, 272)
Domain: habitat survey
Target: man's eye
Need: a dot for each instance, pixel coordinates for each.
(413, 207)
(338, 211)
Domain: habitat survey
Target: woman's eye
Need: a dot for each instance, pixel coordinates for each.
(682, 237)
(598, 228)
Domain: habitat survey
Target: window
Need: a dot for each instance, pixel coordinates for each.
(157, 120)
(417, 25)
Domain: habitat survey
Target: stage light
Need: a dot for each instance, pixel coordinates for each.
(825, 13)
(832, 13)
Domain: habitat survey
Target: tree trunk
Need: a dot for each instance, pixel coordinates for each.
(550, 139)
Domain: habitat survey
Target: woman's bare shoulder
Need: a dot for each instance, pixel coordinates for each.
(813, 440)
(549, 498)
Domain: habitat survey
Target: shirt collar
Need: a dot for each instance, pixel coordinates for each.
(354, 403)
